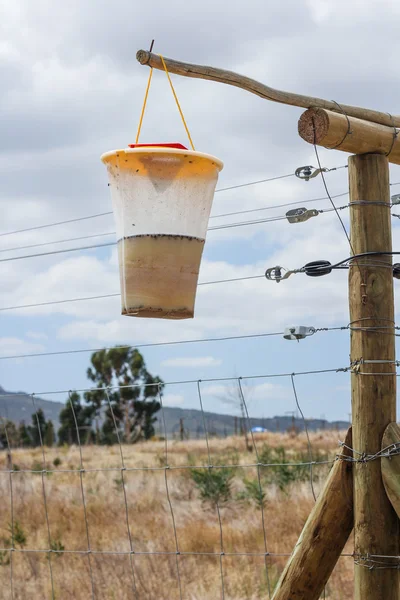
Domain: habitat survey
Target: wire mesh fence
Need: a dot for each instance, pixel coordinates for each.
(204, 518)
(214, 517)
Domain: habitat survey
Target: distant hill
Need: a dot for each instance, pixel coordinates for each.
(17, 407)
(222, 425)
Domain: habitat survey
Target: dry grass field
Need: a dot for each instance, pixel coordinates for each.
(286, 501)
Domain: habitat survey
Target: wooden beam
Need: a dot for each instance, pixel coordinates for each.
(323, 537)
(334, 130)
(268, 93)
(376, 526)
(391, 466)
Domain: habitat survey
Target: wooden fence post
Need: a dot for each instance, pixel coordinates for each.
(323, 537)
(373, 383)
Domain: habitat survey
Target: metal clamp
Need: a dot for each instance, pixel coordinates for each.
(355, 365)
(275, 274)
(309, 172)
(395, 199)
(299, 332)
(300, 215)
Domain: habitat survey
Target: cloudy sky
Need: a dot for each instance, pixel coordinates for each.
(72, 89)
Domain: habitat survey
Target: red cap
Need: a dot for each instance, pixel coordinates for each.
(175, 145)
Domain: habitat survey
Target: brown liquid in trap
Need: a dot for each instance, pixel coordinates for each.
(158, 275)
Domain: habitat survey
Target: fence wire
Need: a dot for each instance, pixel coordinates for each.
(134, 551)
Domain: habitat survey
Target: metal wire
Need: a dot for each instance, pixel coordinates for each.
(231, 214)
(166, 468)
(348, 132)
(81, 471)
(328, 194)
(369, 562)
(247, 278)
(214, 228)
(364, 457)
(151, 553)
(307, 434)
(334, 206)
(232, 187)
(172, 468)
(186, 381)
(73, 239)
(209, 467)
(75, 220)
(12, 549)
(259, 485)
(296, 203)
(39, 254)
(155, 344)
(107, 244)
(395, 134)
(44, 492)
(123, 469)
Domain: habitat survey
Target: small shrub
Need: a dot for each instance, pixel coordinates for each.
(57, 461)
(214, 485)
(191, 459)
(231, 458)
(19, 536)
(37, 467)
(161, 459)
(16, 467)
(57, 546)
(283, 474)
(119, 484)
(255, 493)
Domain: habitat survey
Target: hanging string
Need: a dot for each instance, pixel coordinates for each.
(177, 101)
(144, 105)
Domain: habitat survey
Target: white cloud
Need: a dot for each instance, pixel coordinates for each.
(14, 345)
(192, 362)
(52, 138)
(237, 308)
(173, 400)
(36, 335)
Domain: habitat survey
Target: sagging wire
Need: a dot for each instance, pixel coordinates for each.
(324, 267)
(293, 216)
(290, 333)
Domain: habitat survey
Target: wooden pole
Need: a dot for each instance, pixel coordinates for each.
(374, 385)
(323, 537)
(391, 466)
(335, 130)
(253, 86)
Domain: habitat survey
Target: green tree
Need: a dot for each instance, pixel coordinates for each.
(49, 436)
(8, 430)
(214, 485)
(38, 428)
(23, 436)
(67, 433)
(133, 395)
